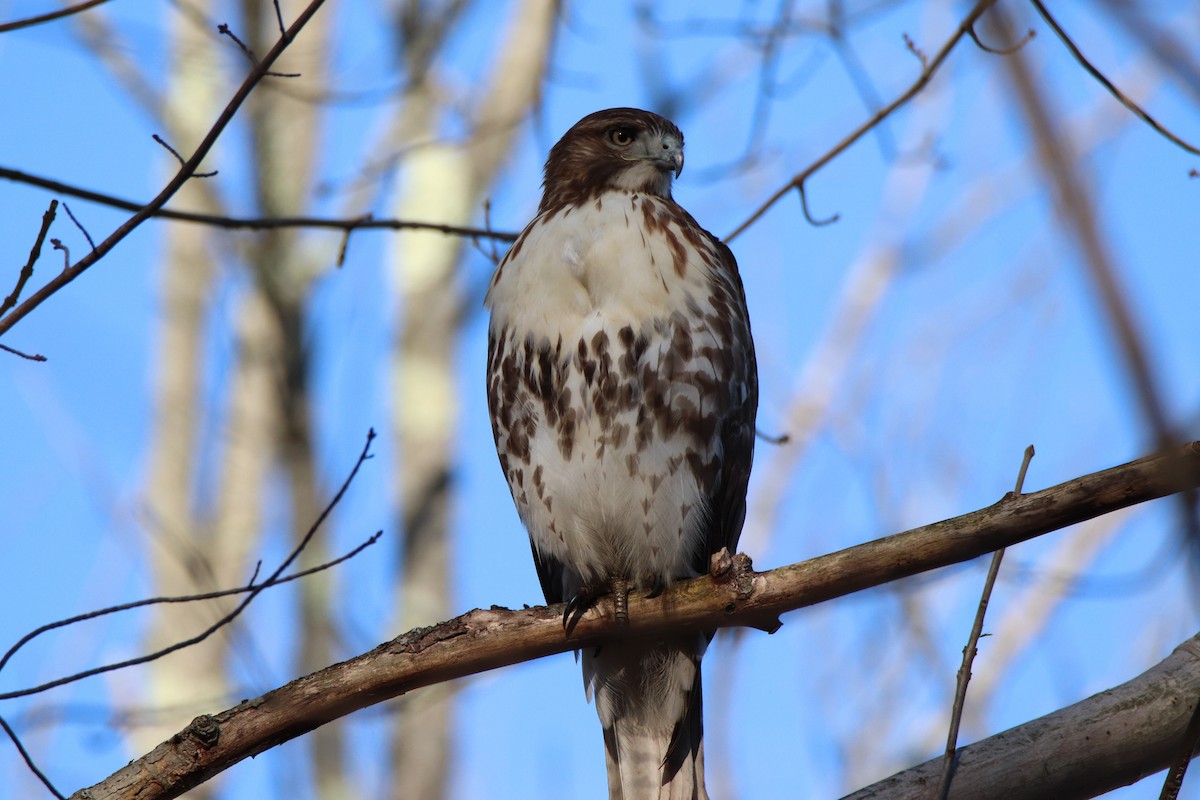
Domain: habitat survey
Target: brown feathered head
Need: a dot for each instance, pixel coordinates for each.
(618, 148)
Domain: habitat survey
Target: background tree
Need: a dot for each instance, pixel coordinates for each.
(1013, 262)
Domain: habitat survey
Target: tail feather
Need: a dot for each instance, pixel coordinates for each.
(648, 697)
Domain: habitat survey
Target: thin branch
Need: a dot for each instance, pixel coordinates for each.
(773, 438)
(179, 158)
(911, 46)
(22, 354)
(1002, 51)
(1107, 84)
(972, 649)
(49, 16)
(797, 182)
(260, 224)
(487, 639)
(225, 29)
(252, 593)
(34, 253)
(29, 760)
(279, 17)
(187, 598)
(181, 177)
(79, 225)
(66, 251)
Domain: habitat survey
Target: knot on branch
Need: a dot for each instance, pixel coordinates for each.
(205, 730)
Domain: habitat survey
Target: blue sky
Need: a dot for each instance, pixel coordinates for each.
(984, 335)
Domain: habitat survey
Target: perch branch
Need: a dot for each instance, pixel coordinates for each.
(481, 640)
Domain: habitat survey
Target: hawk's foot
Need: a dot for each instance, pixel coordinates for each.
(587, 596)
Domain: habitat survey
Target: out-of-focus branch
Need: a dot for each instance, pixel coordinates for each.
(35, 252)
(1111, 739)
(486, 639)
(50, 16)
(1075, 205)
(1107, 84)
(185, 172)
(927, 73)
(190, 598)
(255, 223)
(252, 591)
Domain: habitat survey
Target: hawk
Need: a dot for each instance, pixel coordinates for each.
(622, 387)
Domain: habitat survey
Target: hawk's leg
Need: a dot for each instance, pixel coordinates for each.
(587, 596)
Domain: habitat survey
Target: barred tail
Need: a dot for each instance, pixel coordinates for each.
(648, 697)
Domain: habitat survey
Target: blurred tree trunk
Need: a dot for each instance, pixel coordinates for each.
(285, 151)
(180, 551)
(446, 182)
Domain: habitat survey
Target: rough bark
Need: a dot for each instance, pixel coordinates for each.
(486, 639)
(1111, 739)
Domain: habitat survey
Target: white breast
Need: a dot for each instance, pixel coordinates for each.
(595, 282)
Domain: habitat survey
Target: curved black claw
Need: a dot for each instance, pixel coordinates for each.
(587, 596)
(578, 605)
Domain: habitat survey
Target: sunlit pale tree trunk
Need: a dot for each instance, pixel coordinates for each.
(179, 550)
(285, 146)
(446, 182)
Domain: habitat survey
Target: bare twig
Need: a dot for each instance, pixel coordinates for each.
(35, 252)
(487, 639)
(911, 46)
(279, 18)
(49, 16)
(969, 652)
(79, 225)
(16, 352)
(777, 439)
(181, 177)
(66, 251)
(345, 245)
(29, 760)
(251, 593)
(1107, 84)
(1029, 453)
(808, 215)
(178, 158)
(797, 181)
(259, 223)
(223, 28)
(1178, 769)
(1002, 51)
(187, 598)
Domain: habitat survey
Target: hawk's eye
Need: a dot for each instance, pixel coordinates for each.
(621, 136)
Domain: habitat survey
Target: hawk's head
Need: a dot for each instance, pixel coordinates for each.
(618, 148)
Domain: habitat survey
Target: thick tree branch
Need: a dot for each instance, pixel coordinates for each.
(1111, 739)
(486, 639)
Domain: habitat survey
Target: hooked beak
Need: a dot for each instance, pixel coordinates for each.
(664, 152)
(670, 156)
